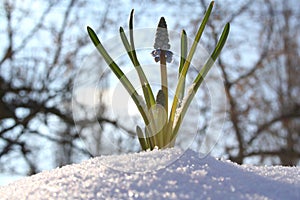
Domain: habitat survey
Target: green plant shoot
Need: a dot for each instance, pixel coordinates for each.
(161, 127)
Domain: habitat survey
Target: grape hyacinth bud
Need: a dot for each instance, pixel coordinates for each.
(162, 36)
(162, 42)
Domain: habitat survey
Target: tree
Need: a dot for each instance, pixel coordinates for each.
(262, 94)
(43, 46)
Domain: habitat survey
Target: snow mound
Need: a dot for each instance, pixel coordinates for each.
(189, 177)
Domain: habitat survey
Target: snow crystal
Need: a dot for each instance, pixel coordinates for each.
(156, 175)
(198, 173)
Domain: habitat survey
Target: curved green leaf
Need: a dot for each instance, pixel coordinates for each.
(187, 65)
(119, 73)
(199, 79)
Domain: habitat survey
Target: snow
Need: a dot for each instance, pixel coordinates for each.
(159, 174)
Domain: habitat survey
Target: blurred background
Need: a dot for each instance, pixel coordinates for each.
(44, 43)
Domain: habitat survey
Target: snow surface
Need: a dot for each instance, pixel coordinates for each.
(144, 176)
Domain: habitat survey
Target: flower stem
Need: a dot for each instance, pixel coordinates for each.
(164, 88)
(164, 78)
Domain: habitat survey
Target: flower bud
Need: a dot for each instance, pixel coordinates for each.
(162, 36)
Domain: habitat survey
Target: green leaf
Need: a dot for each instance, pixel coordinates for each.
(147, 91)
(200, 77)
(126, 44)
(142, 139)
(183, 52)
(142, 76)
(131, 33)
(119, 73)
(186, 65)
(150, 101)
